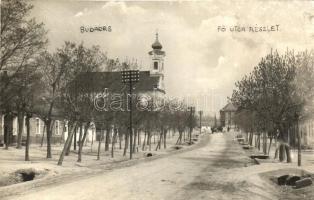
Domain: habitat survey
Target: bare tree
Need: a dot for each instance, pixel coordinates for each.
(60, 69)
(272, 93)
(22, 39)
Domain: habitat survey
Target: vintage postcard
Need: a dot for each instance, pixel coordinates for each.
(156, 100)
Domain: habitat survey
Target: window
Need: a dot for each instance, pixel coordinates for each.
(156, 65)
(15, 126)
(57, 127)
(37, 126)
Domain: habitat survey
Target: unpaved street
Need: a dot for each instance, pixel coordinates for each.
(210, 172)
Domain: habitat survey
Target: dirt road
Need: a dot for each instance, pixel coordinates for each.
(211, 172)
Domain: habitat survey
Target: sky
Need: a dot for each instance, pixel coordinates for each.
(202, 61)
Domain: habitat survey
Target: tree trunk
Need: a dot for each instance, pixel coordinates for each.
(143, 147)
(20, 119)
(6, 137)
(159, 141)
(82, 142)
(190, 135)
(91, 144)
(149, 140)
(67, 144)
(79, 143)
(70, 136)
(287, 148)
(154, 138)
(99, 144)
(259, 142)
(148, 135)
(270, 142)
(126, 143)
(277, 148)
(165, 138)
(131, 142)
(134, 140)
(43, 136)
(251, 139)
(27, 137)
(8, 130)
(264, 143)
(113, 141)
(247, 137)
(120, 138)
(49, 134)
(62, 136)
(284, 149)
(107, 139)
(281, 152)
(299, 148)
(75, 133)
(179, 138)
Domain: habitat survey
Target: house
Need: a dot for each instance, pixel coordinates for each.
(227, 114)
(305, 127)
(37, 129)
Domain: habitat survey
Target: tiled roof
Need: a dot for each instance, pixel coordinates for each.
(98, 81)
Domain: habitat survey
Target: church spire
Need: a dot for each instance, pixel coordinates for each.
(156, 44)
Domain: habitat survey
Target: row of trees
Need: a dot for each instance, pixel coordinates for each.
(273, 97)
(34, 81)
(146, 124)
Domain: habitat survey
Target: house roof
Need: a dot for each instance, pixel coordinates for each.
(229, 107)
(98, 81)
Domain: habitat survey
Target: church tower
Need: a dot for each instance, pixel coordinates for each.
(157, 62)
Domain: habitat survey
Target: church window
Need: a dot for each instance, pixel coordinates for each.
(155, 65)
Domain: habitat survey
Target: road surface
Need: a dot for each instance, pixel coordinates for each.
(204, 173)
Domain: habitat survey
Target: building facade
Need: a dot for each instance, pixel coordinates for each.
(37, 129)
(157, 56)
(305, 128)
(227, 114)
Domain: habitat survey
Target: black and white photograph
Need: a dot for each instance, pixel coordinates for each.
(157, 100)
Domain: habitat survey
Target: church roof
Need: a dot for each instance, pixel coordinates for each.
(156, 51)
(156, 44)
(229, 107)
(98, 81)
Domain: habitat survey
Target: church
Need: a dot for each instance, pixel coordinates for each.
(151, 83)
(150, 80)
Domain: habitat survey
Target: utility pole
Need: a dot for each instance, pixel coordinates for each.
(200, 113)
(192, 110)
(299, 139)
(129, 77)
(215, 122)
